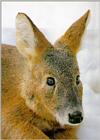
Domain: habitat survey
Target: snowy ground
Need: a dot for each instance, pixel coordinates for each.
(89, 63)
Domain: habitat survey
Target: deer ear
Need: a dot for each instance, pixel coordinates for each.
(72, 37)
(29, 40)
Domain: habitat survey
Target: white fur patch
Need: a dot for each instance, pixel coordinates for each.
(62, 118)
(26, 40)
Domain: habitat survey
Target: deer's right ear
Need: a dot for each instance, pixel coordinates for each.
(29, 40)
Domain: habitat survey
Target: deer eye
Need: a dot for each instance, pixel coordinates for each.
(77, 79)
(50, 81)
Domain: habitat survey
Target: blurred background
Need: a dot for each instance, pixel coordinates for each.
(53, 19)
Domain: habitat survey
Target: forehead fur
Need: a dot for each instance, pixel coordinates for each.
(61, 60)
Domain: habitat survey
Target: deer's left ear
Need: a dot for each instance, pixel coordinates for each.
(72, 37)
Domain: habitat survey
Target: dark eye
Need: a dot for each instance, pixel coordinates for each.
(77, 79)
(50, 81)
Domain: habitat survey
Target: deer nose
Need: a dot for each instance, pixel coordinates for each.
(75, 117)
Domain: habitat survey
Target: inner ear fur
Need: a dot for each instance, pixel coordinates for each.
(30, 41)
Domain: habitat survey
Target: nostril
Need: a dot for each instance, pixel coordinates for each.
(75, 117)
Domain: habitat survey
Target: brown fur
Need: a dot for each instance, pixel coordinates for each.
(21, 85)
(17, 120)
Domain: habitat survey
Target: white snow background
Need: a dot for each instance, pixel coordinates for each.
(53, 19)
